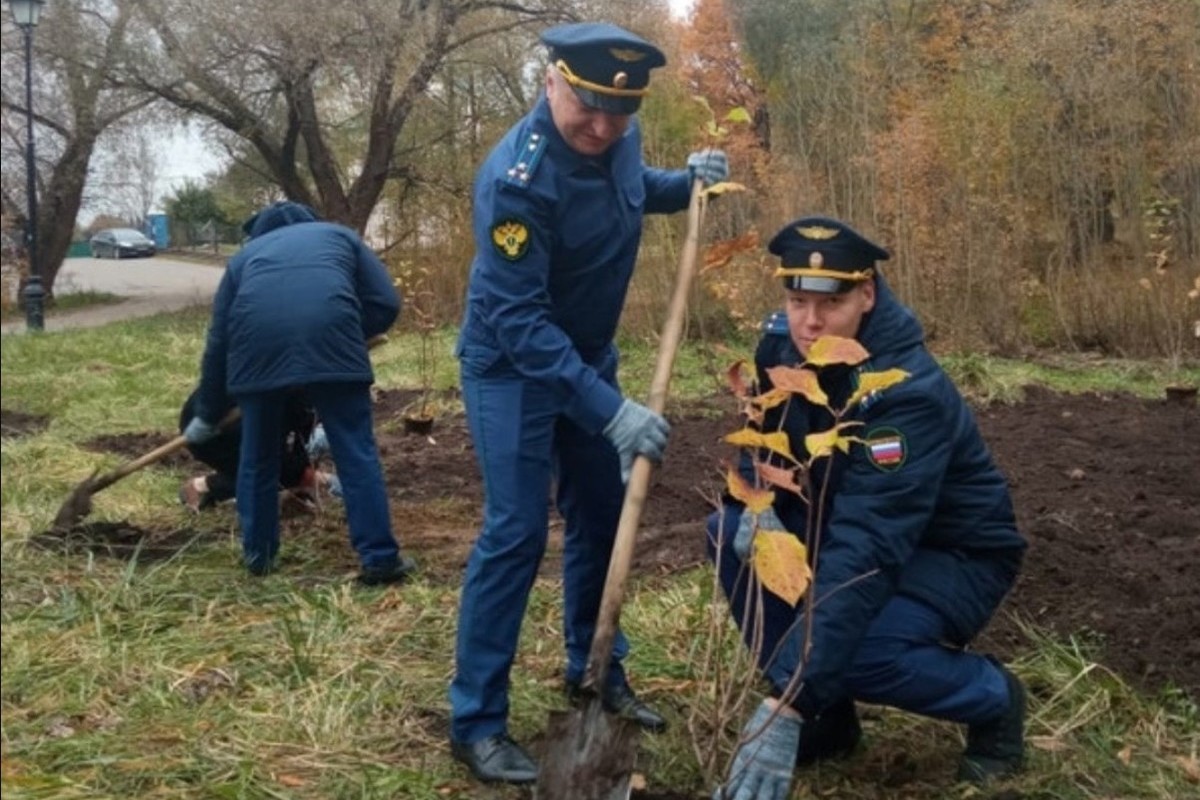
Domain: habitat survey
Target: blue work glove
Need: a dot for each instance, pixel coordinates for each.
(318, 444)
(198, 431)
(710, 166)
(635, 430)
(767, 521)
(762, 767)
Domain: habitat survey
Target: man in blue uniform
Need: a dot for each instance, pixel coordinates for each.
(918, 548)
(295, 308)
(558, 209)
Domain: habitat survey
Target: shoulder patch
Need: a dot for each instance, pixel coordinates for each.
(510, 237)
(776, 324)
(887, 449)
(527, 159)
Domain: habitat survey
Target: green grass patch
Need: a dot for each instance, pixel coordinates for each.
(183, 678)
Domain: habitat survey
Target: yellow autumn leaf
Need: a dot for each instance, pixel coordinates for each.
(781, 562)
(875, 382)
(1190, 767)
(779, 476)
(757, 500)
(800, 381)
(775, 442)
(736, 379)
(724, 187)
(829, 350)
(821, 444)
(771, 399)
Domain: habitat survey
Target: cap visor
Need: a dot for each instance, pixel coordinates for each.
(808, 283)
(608, 103)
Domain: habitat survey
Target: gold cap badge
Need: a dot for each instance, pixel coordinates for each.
(626, 55)
(816, 232)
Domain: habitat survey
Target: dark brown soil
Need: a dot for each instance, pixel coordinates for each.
(1107, 489)
(18, 423)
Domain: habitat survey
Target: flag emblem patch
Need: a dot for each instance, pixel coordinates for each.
(886, 448)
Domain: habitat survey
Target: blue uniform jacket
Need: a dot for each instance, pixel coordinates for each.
(922, 511)
(545, 303)
(295, 306)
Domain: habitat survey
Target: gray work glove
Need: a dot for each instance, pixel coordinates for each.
(636, 430)
(767, 521)
(762, 767)
(710, 166)
(318, 444)
(199, 431)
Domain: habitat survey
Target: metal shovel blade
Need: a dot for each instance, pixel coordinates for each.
(589, 755)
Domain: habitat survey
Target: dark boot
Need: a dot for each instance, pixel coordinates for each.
(834, 734)
(621, 700)
(389, 574)
(996, 749)
(496, 759)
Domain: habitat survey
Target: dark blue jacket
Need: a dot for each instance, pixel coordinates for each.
(546, 307)
(921, 510)
(296, 306)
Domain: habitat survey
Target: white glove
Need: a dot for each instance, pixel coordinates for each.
(636, 430)
(767, 521)
(762, 768)
(199, 431)
(710, 166)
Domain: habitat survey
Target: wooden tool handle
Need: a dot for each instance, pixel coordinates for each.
(639, 478)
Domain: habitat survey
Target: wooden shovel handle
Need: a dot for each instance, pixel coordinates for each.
(154, 456)
(639, 478)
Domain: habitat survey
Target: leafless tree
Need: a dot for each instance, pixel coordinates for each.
(320, 91)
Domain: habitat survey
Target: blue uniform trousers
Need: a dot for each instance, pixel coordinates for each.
(903, 660)
(522, 441)
(345, 411)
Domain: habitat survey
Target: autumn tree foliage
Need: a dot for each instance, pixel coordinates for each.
(714, 69)
(1031, 166)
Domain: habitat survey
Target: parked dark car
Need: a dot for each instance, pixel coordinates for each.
(121, 243)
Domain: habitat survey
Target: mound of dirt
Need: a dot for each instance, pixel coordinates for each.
(116, 540)
(1105, 488)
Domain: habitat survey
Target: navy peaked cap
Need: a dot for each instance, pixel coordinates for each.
(820, 254)
(606, 65)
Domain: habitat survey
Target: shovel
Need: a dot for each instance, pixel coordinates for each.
(79, 502)
(590, 753)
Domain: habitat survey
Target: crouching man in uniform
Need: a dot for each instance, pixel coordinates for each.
(918, 548)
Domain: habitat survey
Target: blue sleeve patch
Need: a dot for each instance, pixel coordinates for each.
(776, 324)
(527, 160)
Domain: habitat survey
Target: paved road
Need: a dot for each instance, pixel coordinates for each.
(152, 286)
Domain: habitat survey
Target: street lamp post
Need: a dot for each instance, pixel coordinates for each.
(26, 14)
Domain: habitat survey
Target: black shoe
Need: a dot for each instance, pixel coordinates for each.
(385, 576)
(834, 734)
(621, 700)
(996, 749)
(496, 759)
